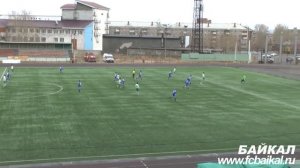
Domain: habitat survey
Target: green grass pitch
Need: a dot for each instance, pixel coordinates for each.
(42, 115)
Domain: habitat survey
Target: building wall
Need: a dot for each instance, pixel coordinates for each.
(68, 14)
(100, 19)
(89, 37)
(46, 35)
(77, 14)
(216, 36)
(120, 44)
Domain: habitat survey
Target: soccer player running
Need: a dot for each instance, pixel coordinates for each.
(174, 70)
(243, 80)
(122, 83)
(133, 73)
(61, 69)
(140, 75)
(137, 88)
(187, 83)
(79, 86)
(170, 75)
(4, 80)
(12, 68)
(203, 78)
(174, 94)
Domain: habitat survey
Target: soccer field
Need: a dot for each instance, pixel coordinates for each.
(43, 117)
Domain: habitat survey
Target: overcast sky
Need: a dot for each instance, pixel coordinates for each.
(249, 13)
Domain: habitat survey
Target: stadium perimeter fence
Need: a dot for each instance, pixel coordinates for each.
(215, 57)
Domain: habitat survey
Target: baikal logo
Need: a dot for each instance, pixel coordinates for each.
(263, 155)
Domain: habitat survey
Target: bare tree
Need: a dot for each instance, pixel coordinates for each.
(19, 23)
(259, 39)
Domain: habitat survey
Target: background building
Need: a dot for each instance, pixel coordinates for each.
(82, 25)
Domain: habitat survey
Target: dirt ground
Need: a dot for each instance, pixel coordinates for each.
(182, 161)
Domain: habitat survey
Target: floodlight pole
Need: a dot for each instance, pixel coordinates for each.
(280, 48)
(266, 48)
(296, 41)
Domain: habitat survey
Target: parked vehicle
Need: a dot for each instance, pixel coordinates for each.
(269, 58)
(108, 58)
(90, 57)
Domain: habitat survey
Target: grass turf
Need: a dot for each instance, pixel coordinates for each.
(42, 115)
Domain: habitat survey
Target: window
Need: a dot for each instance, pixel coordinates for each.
(20, 30)
(13, 30)
(14, 38)
(43, 39)
(25, 30)
(67, 31)
(55, 31)
(37, 30)
(61, 31)
(132, 32)
(37, 39)
(227, 32)
(117, 31)
(43, 30)
(79, 31)
(61, 40)
(25, 39)
(56, 39)
(31, 30)
(49, 31)
(31, 39)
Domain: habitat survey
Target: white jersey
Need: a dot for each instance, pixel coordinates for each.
(4, 78)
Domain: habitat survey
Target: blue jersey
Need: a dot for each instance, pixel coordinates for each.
(187, 82)
(174, 93)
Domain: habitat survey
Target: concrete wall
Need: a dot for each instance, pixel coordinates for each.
(119, 44)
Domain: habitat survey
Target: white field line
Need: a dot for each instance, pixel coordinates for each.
(114, 156)
(61, 88)
(3, 74)
(253, 94)
(144, 164)
(125, 155)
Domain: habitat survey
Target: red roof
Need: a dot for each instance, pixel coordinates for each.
(86, 3)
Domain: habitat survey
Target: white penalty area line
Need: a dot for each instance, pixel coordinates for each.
(114, 156)
(61, 88)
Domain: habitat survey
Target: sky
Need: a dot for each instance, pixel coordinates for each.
(248, 13)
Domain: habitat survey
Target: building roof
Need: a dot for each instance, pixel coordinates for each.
(3, 22)
(68, 6)
(79, 24)
(86, 3)
(93, 5)
(210, 26)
